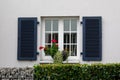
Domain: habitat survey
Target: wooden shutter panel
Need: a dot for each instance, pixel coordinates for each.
(92, 38)
(27, 38)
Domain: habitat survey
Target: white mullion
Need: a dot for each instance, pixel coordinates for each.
(79, 38)
(76, 43)
(43, 38)
(63, 35)
(76, 39)
(44, 32)
(60, 30)
(72, 48)
(51, 30)
(70, 35)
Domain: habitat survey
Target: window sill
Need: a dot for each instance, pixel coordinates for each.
(71, 62)
(64, 62)
(46, 62)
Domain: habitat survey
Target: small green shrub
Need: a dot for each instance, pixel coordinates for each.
(77, 72)
(58, 59)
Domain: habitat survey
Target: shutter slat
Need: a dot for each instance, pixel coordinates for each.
(92, 42)
(27, 42)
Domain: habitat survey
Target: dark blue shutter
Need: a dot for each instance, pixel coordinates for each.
(27, 38)
(92, 38)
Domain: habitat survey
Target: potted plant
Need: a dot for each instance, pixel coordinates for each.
(50, 50)
(65, 54)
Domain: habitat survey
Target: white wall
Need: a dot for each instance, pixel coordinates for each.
(10, 10)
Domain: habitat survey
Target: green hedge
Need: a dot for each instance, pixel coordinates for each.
(77, 72)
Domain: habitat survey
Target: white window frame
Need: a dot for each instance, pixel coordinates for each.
(71, 59)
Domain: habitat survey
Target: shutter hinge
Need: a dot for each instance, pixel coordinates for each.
(37, 53)
(81, 22)
(81, 53)
(38, 22)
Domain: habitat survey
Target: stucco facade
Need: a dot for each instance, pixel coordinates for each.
(10, 10)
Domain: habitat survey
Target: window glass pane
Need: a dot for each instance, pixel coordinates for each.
(55, 36)
(66, 25)
(73, 50)
(55, 25)
(47, 25)
(66, 37)
(66, 47)
(73, 37)
(47, 37)
(73, 24)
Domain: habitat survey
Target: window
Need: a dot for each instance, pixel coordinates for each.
(65, 31)
(68, 33)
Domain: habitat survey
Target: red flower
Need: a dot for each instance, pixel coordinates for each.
(41, 47)
(53, 41)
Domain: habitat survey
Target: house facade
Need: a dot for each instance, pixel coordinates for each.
(89, 30)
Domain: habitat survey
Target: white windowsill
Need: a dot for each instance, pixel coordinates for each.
(46, 62)
(49, 62)
(72, 62)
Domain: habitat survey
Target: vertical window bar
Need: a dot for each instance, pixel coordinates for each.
(51, 30)
(70, 37)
